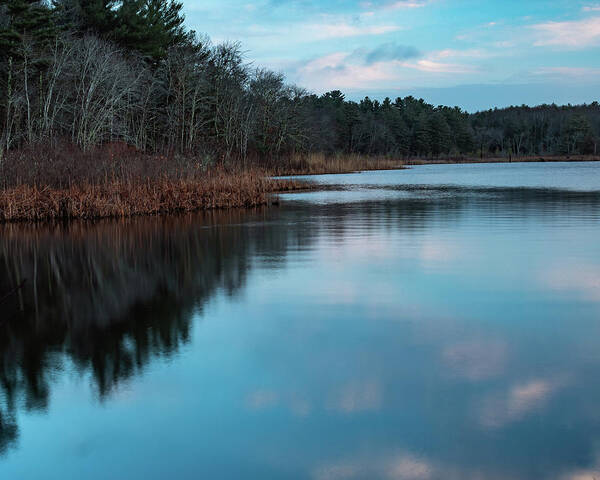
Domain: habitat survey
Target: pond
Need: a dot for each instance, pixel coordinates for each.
(437, 322)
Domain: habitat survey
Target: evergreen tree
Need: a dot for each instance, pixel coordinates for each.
(440, 136)
(150, 27)
(422, 135)
(86, 16)
(24, 21)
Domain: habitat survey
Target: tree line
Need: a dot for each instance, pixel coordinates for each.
(92, 72)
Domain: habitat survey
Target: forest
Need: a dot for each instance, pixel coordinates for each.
(92, 72)
(86, 81)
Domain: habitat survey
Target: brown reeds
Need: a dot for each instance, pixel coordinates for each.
(124, 199)
(514, 159)
(320, 163)
(121, 199)
(90, 186)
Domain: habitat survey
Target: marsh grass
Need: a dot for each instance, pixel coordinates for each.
(64, 183)
(514, 159)
(320, 163)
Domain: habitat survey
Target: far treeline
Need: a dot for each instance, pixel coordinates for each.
(92, 72)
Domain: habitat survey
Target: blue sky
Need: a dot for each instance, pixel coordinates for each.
(475, 54)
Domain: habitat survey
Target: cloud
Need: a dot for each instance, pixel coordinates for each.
(398, 466)
(352, 397)
(528, 396)
(386, 52)
(467, 53)
(337, 471)
(262, 399)
(370, 69)
(334, 71)
(583, 475)
(407, 467)
(571, 74)
(591, 472)
(520, 400)
(259, 400)
(572, 34)
(436, 252)
(397, 4)
(581, 280)
(331, 61)
(504, 44)
(327, 27)
(591, 8)
(440, 67)
(406, 4)
(357, 397)
(344, 30)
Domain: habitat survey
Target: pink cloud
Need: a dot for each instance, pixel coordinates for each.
(591, 8)
(347, 70)
(582, 280)
(452, 53)
(398, 466)
(407, 4)
(432, 66)
(332, 71)
(398, 4)
(520, 400)
(583, 475)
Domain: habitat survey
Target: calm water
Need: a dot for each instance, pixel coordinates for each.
(441, 322)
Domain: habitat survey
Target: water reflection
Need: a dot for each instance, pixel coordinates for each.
(109, 296)
(422, 332)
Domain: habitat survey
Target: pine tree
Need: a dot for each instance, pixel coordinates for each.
(440, 136)
(24, 20)
(150, 27)
(86, 16)
(422, 135)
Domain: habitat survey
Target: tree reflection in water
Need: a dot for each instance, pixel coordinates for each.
(108, 296)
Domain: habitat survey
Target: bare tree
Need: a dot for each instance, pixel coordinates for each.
(106, 85)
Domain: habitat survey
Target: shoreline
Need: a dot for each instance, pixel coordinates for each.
(403, 163)
(67, 184)
(525, 159)
(217, 188)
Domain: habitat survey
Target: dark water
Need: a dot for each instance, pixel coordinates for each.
(435, 323)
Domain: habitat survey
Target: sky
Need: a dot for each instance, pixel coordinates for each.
(474, 54)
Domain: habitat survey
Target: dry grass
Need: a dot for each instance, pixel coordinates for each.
(116, 180)
(69, 184)
(529, 158)
(319, 163)
(124, 199)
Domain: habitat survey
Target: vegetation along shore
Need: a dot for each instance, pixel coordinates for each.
(110, 110)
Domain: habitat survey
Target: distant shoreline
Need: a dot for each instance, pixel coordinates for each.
(523, 159)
